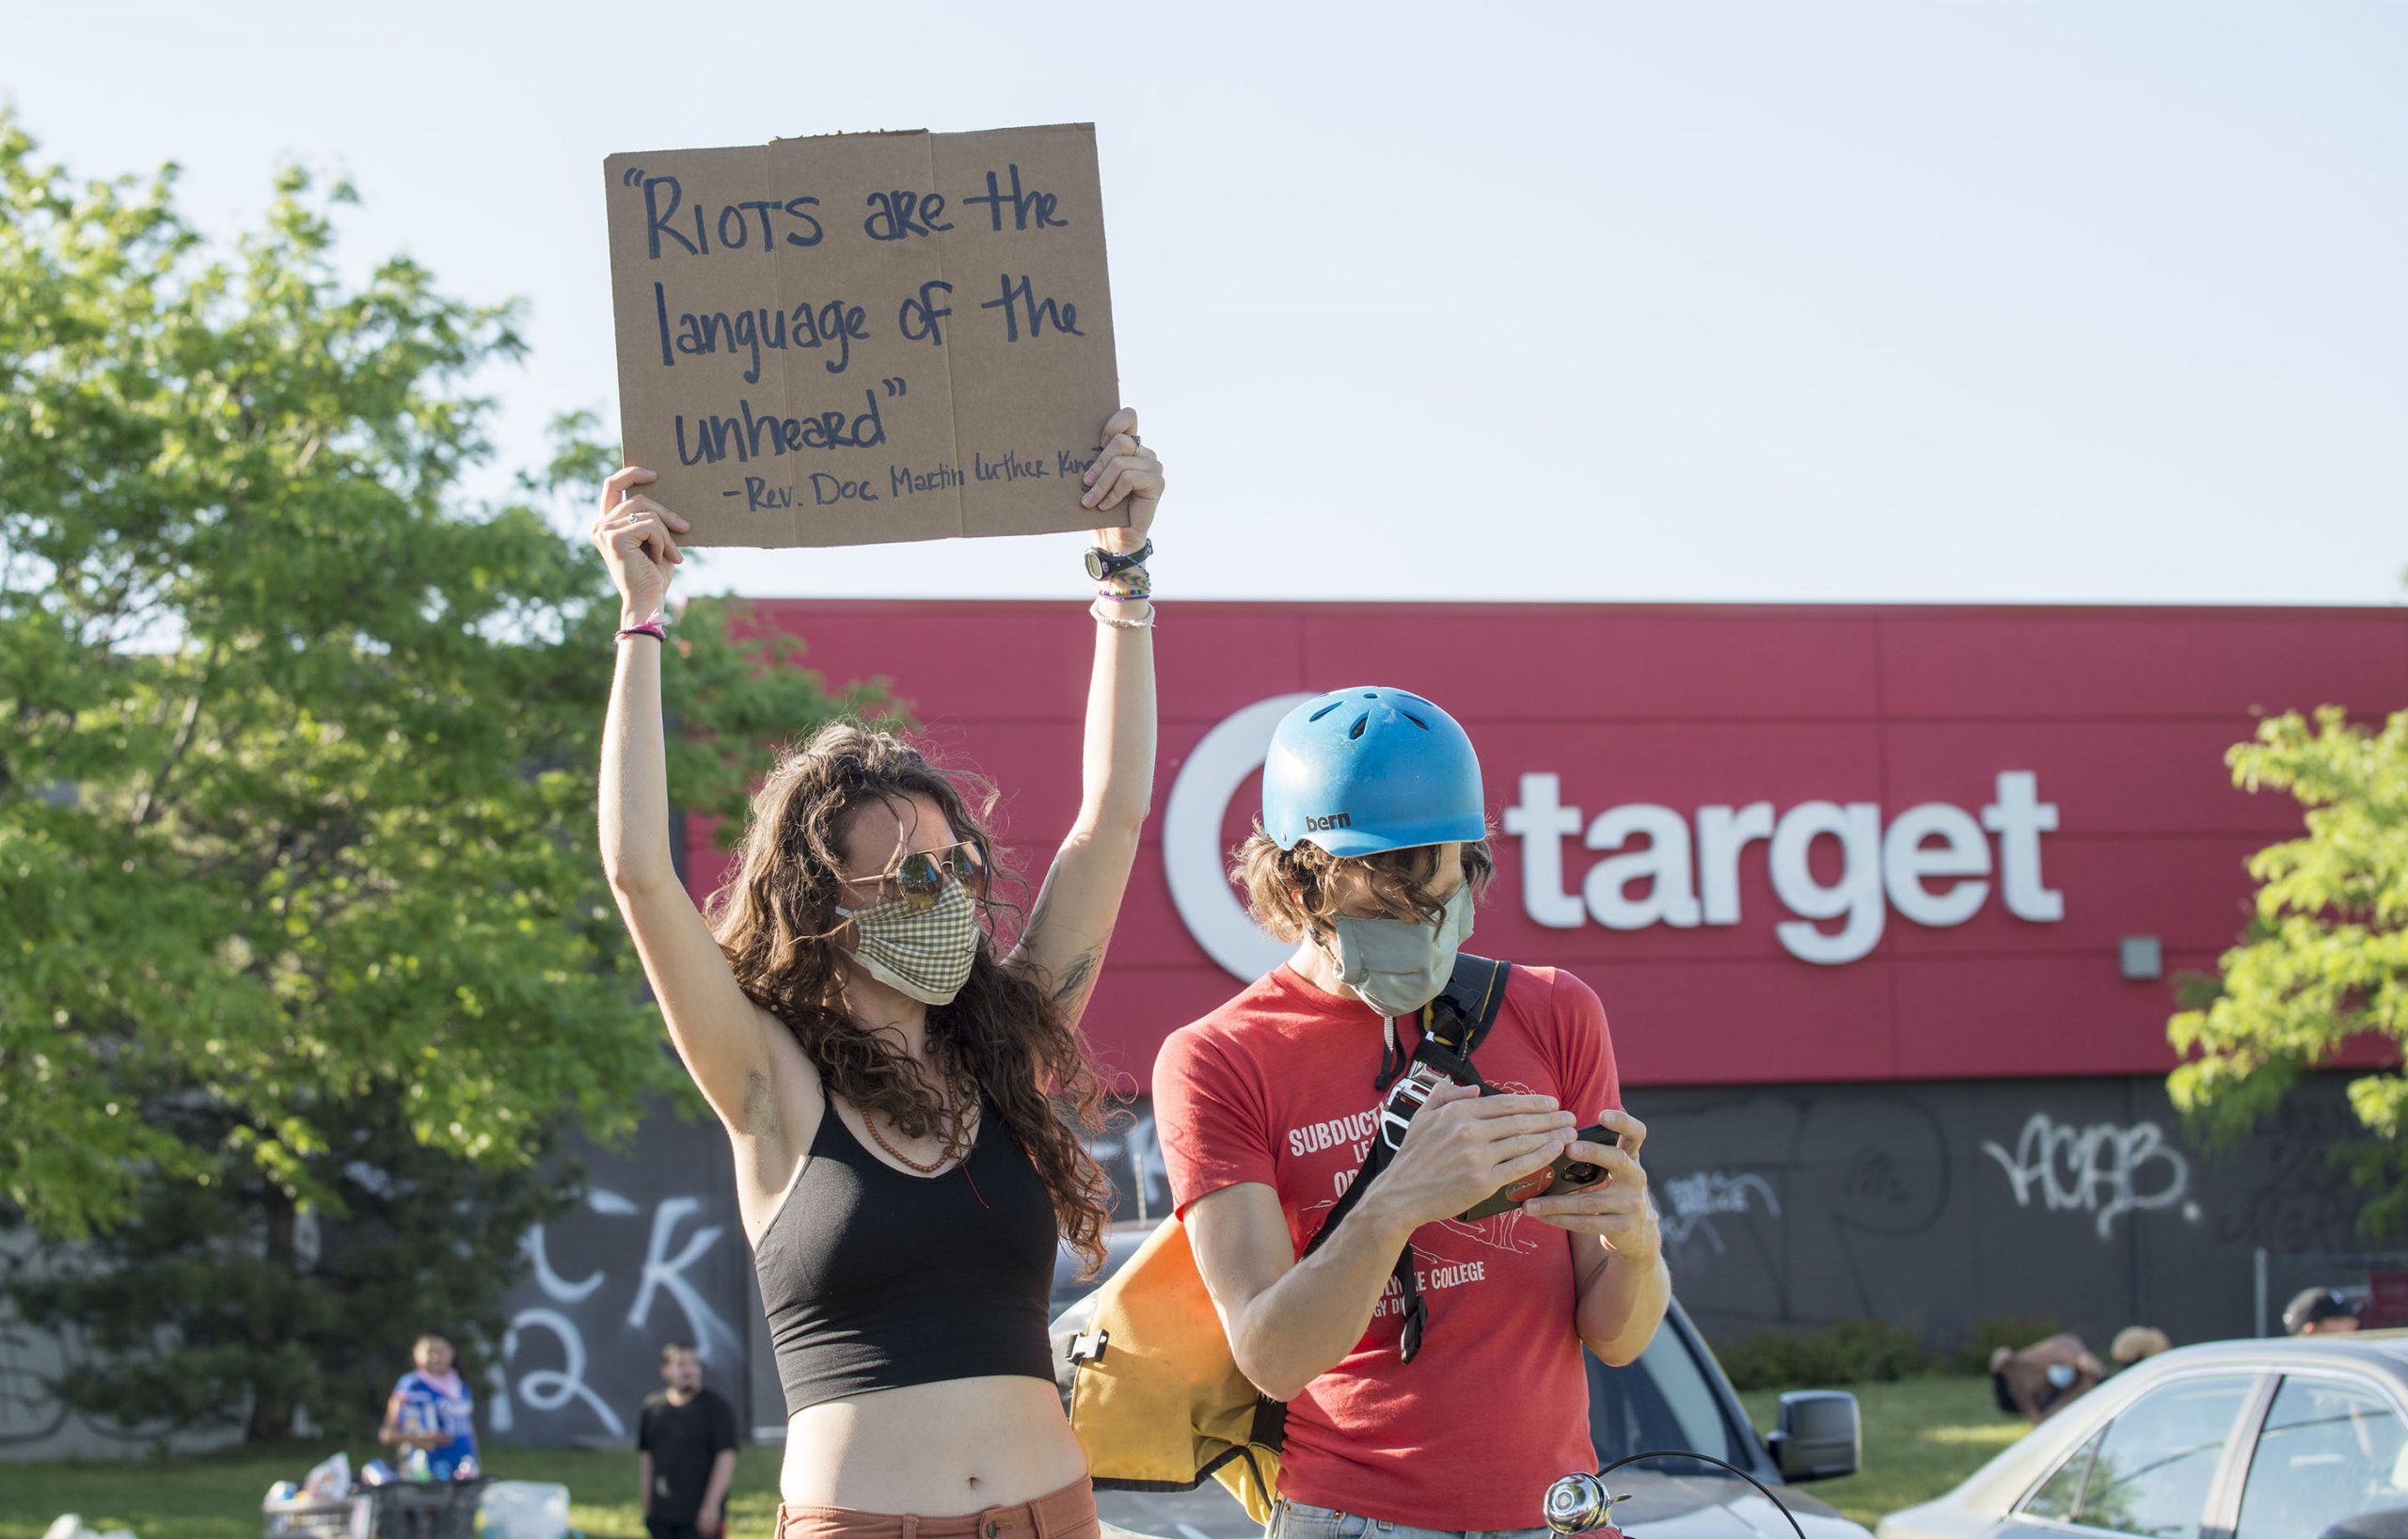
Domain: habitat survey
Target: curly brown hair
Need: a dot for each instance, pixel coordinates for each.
(1289, 891)
(1004, 1032)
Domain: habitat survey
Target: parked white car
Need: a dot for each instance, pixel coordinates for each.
(2292, 1438)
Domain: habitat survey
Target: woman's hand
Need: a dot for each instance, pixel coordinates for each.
(638, 538)
(1125, 471)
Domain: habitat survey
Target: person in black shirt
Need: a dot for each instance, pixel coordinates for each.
(686, 1449)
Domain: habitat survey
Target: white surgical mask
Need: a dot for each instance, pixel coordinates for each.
(1397, 965)
(924, 953)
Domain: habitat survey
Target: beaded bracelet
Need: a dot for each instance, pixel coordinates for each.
(1118, 624)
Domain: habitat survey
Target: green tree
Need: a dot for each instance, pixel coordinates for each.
(205, 1307)
(2327, 957)
(297, 778)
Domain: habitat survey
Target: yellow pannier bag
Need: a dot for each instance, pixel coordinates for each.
(1156, 1398)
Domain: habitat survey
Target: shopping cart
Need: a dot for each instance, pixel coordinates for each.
(403, 1509)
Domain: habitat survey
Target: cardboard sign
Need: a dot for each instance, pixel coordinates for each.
(864, 337)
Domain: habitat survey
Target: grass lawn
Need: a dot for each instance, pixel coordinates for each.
(1921, 1437)
(217, 1496)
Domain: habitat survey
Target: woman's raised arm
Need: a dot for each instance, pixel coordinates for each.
(718, 1032)
(1075, 909)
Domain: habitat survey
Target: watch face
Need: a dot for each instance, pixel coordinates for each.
(1103, 563)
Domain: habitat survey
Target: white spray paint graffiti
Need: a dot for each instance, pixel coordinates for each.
(551, 1388)
(1691, 1202)
(708, 1331)
(2102, 1169)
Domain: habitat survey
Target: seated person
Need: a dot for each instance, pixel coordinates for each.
(2045, 1377)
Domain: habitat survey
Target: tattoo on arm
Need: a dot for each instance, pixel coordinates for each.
(1077, 978)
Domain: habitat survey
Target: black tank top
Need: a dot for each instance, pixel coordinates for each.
(873, 1279)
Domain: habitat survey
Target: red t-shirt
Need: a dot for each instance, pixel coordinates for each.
(1275, 1087)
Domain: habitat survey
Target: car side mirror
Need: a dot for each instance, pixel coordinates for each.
(1820, 1435)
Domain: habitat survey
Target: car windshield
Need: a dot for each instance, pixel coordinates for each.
(1663, 1401)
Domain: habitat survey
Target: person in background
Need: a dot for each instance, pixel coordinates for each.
(430, 1409)
(2045, 1377)
(686, 1452)
(2136, 1343)
(2320, 1311)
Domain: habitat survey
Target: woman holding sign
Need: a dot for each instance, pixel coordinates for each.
(898, 1095)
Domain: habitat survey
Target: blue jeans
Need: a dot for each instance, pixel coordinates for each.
(1303, 1521)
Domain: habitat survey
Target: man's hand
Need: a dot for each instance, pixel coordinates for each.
(1616, 1210)
(1463, 1146)
(707, 1521)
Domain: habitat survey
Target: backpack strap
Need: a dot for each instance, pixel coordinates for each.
(1453, 1025)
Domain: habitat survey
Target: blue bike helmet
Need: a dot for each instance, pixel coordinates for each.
(1369, 768)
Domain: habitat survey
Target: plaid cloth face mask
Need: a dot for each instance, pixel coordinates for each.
(923, 952)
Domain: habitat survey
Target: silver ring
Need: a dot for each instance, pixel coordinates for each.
(1134, 440)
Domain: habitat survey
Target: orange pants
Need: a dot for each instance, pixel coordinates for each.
(1066, 1513)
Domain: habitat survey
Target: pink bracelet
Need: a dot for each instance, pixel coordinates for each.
(650, 627)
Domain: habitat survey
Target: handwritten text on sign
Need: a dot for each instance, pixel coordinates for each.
(864, 337)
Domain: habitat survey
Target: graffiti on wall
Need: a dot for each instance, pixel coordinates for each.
(1689, 1203)
(2105, 1169)
(546, 1364)
(33, 1420)
(29, 1362)
(1936, 1206)
(2297, 1196)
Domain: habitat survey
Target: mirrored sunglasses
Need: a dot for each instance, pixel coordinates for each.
(919, 878)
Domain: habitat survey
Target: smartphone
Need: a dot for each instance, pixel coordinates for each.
(1567, 1174)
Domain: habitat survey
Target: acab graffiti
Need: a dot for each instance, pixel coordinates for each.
(2106, 1169)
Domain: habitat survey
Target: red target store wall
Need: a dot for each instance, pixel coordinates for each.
(1784, 844)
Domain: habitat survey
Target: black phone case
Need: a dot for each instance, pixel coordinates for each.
(1566, 1174)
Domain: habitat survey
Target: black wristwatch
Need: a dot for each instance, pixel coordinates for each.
(1103, 563)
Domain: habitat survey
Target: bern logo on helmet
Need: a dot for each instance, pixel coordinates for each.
(1336, 820)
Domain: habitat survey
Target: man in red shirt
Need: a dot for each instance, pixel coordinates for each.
(1370, 856)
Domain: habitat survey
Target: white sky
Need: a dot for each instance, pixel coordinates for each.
(2055, 301)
